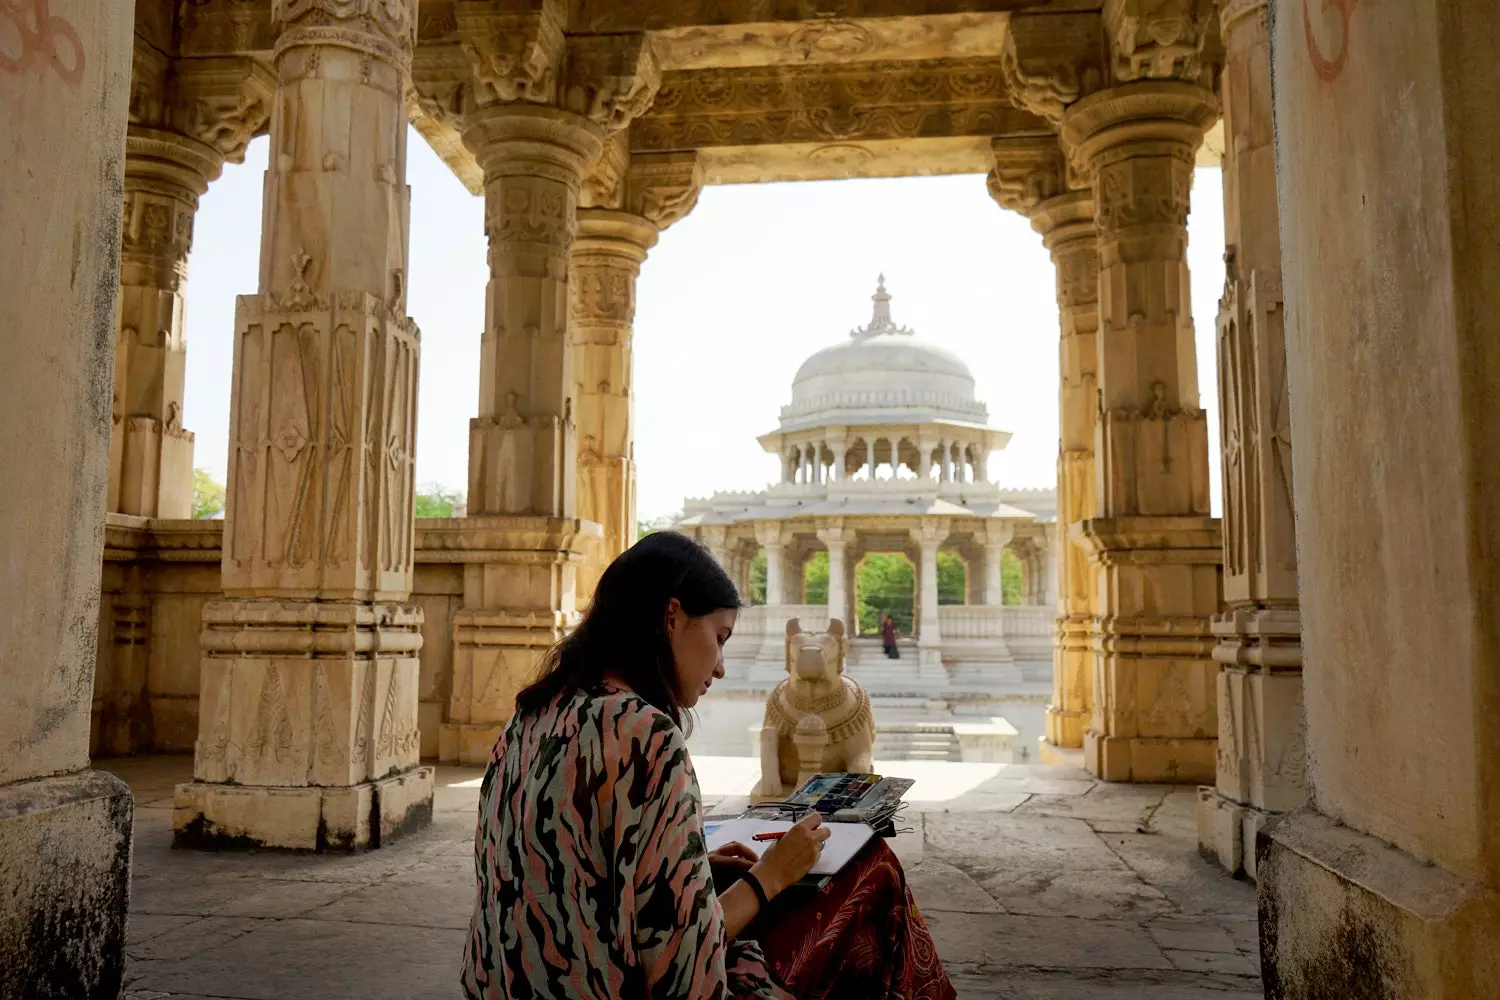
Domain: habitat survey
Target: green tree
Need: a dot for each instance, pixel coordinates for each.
(884, 583)
(953, 578)
(815, 579)
(208, 496)
(435, 500)
(757, 593)
(1012, 577)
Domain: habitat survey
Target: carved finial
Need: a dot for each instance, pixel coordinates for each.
(880, 322)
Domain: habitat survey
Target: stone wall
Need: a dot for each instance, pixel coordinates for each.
(158, 574)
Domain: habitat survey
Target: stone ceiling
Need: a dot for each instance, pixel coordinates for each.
(768, 89)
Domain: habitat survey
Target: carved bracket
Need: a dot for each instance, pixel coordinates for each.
(1157, 39)
(1028, 170)
(516, 50)
(611, 79)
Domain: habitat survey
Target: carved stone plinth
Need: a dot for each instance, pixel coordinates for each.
(1155, 713)
(308, 737)
(518, 602)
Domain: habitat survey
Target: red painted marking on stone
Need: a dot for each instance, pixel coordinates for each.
(1327, 69)
(40, 32)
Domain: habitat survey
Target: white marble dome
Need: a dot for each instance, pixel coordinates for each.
(883, 373)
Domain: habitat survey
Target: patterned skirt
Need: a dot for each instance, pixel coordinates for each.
(860, 938)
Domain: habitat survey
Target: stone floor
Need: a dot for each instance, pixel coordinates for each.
(1037, 881)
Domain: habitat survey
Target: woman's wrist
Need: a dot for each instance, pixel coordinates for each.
(769, 883)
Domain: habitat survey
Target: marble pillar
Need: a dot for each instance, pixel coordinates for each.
(996, 538)
(1386, 883)
(773, 544)
(65, 830)
(929, 536)
(308, 706)
(837, 538)
(1261, 733)
(1152, 544)
(151, 454)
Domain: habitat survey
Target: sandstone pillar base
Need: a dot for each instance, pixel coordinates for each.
(1149, 758)
(1227, 830)
(360, 817)
(1345, 915)
(1066, 729)
(307, 733)
(1155, 707)
(1050, 753)
(519, 601)
(65, 879)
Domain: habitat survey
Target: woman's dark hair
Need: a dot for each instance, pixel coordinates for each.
(624, 630)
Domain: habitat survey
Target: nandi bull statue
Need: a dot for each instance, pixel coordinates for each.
(817, 720)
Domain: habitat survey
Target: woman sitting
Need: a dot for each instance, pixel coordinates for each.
(594, 880)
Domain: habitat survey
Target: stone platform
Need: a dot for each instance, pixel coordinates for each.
(1038, 882)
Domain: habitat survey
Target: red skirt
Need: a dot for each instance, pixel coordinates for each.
(859, 938)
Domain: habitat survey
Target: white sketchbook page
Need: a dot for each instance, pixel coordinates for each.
(843, 843)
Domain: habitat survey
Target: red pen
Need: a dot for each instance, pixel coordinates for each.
(768, 836)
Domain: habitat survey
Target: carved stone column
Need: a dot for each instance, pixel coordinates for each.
(1030, 177)
(627, 203)
(770, 537)
(996, 538)
(1261, 731)
(545, 108)
(1154, 547)
(837, 538)
(930, 535)
(186, 118)
(308, 708)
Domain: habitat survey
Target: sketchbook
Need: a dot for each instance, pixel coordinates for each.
(845, 840)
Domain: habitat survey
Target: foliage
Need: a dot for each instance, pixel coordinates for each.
(884, 582)
(757, 593)
(953, 578)
(815, 579)
(208, 496)
(435, 500)
(1012, 578)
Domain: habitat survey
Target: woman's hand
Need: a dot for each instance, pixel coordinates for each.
(735, 857)
(793, 856)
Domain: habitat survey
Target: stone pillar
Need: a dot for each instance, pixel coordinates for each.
(1259, 647)
(840, 454)
(538, 126)
(870, 457)
(924, 460)
(837, 538)
(929, 536)
(1066, 224)
(771, 540)
(1154, 548)
(308, 707)
(607, 255)
(65, 830)
(1387, 883)
(151, 455)
(996, 538)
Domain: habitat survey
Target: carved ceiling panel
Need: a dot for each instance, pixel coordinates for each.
(658, 15)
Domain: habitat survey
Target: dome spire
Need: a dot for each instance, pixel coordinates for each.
(881, 321)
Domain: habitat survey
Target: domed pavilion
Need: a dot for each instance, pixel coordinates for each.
(884, 449)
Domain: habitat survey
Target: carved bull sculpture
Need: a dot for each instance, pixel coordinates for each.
(817, 719)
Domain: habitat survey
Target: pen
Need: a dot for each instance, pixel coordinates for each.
(768, 836)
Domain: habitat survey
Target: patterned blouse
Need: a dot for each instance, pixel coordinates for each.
(594, 879)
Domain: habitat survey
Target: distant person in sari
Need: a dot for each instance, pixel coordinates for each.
(888, 637)
(593, 876)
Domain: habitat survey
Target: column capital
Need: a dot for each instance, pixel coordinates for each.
(385, 29)
(523, 56)
(834, 535)
(1051, 60)
(1161, 117)
(1236, 13)
(222, 102)
(998, 534)
(932, 532)
(1065, 219)
(770, 535)
(1028, 170)
(520, 139)
(607, 232)
(1157, 39)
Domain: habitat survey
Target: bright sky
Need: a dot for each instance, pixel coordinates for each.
(731, 301)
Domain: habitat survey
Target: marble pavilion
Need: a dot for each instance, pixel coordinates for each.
(884, 448)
